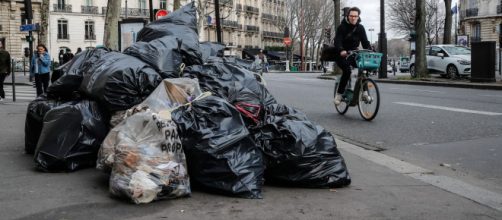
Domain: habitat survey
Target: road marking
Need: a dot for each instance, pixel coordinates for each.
(26, 93)
(417, 90)
(450, 108)
(455, 186)
(496, 96)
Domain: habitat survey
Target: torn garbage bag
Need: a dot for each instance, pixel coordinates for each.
(163, 54)
(67, 85)
(35, 120)
(146, 159)
(300, 153)
(119, 81)
(221, 155)
(71, 136)
(181, 24)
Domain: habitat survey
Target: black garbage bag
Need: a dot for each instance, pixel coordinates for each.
(163, 54)
(233, 83)
(247, 64)
(181, 24)
(71, 136)
(221, 155)
(119, 81)
(35, 120)
(298, 152)
(71, 74)
(210, 49)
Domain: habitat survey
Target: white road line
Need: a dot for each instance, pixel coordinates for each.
(449, 108)
(417, 90)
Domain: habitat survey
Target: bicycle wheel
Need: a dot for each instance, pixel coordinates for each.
(368, 104)
(343, 106)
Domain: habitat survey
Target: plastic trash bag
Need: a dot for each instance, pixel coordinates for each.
(71, 74)
(35, 121)
(181, 24)
(119, 81)
(210, 49)
(71, 136)
(300, 153)
(146, 159)
(163, 54)
(221, 155)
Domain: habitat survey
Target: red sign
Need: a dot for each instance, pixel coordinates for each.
(161, 13)
(287, 41)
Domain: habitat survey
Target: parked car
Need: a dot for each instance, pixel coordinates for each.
(448, 60)
(404, 64)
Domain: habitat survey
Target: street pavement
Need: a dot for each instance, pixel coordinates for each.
(383, 188)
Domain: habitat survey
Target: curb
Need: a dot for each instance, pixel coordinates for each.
(426, 83)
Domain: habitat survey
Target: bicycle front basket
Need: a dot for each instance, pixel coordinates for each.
(369, 60)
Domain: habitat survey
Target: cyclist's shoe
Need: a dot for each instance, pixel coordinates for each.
(366, 97)
(338, 99)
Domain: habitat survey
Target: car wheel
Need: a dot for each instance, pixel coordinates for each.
(451, 71)
(412, 71)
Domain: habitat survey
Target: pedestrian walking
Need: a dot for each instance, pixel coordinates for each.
(67, 56)
(394, 67)
(41, 63)
(61, 57)
(5, 68)
(78, 51)
(264, 62)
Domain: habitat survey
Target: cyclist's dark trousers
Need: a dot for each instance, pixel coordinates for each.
(344, 64)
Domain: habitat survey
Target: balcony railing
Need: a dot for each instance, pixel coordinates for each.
(471, 12)
(133, 12)
(63, 36)
(228, 3)
(230, 24)
(251, 28)
(272, 34)
(62, 8)
(238, 8)
(251, 9)
(89, 9)
(90, 37)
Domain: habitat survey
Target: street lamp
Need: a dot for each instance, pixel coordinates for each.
(371, 34)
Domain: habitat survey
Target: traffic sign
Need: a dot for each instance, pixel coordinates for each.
(29, 27)
(287, 41)
(161, 13)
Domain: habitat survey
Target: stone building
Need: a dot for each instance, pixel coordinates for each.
(80, 23)
(480, 20)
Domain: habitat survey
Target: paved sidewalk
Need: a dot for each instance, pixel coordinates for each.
(382, 188)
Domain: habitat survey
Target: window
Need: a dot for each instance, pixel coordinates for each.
(162, 4)
(476, 32)
(142, 4)
(23, 17)
(61, 4)
(63, 29)
(89, 30)
(88, 2)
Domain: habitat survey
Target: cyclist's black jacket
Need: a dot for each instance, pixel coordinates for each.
(349, 36)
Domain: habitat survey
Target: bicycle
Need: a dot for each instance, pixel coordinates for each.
(368, 103)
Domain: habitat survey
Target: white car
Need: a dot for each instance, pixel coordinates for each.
(449, 60)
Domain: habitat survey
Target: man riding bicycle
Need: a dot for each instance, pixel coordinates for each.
(348, 36)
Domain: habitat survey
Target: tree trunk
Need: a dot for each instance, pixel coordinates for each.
(176, 5)
(447, 23)
(44, 22)
(420, 59)
(110, 38)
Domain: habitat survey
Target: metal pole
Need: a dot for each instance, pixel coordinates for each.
(151, 9)
(126, 9)
(13, 80)
(382, 41)
(301, 36)
(24, 66)
(218, 24)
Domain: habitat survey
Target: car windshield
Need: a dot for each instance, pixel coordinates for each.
(458, 50)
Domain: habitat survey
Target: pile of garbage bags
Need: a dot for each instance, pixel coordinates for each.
(171, 113)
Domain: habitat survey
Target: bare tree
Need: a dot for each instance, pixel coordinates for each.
(110, 38)
(176, 5)
(420, 60)
(44, 22)
(447, 23)
(401, 17)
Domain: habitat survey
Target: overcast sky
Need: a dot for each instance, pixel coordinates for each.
(370, 16)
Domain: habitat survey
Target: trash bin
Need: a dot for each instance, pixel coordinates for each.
(294, 69)
(483, 60)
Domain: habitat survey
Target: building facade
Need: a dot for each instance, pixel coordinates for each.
(76, 24)
(480, 20)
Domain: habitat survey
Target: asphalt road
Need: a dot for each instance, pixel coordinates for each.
(452, 131)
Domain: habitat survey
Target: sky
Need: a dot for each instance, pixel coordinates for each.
(370, 16)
